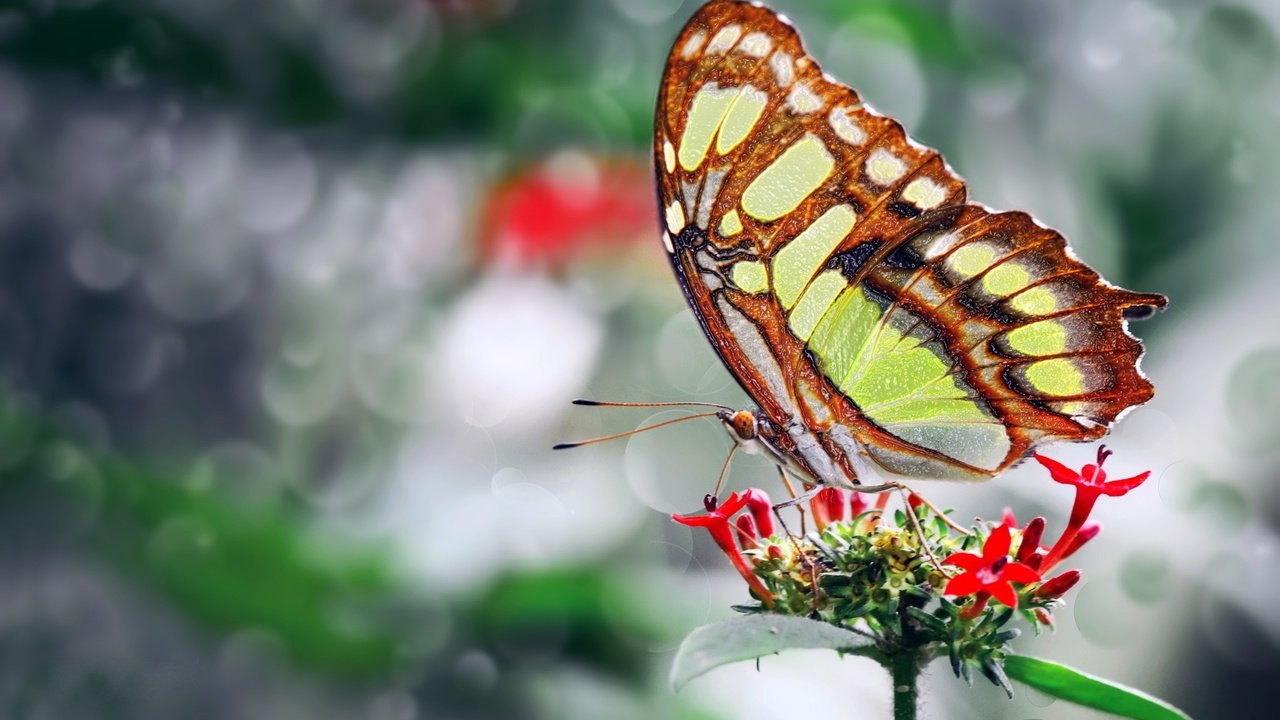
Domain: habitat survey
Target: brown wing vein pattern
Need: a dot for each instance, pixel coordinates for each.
(758, 151)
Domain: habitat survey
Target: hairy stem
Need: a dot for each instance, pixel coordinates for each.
(905, 668)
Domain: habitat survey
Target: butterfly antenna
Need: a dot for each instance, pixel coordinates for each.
(681, 403)
(724, 471)
(615, 436)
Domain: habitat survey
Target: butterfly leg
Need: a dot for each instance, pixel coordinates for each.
(795, 500)
(906, 494)
(804, 497)
(791, 490)
(916, 527)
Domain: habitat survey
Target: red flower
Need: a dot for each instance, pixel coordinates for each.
(857, 504)
(1056, 587)
(991, 572)
(761, 509)
(1029, 545)
(828, 506)
(1087, 532)
(1090, 484)
(572, 202)
(717, 522)
(1009, 519)
(747, 532)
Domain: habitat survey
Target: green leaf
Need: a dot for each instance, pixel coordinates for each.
(935, 625)
(1074, 686)
(711, 646)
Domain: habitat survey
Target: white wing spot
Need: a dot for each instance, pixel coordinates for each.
(940, 245)
(783, 68)
(802, 101)
(668, 156)
(845, 127)
(692, 44)
(883, 167)
(724, 40)
(756, 44)
(924, 193)
(675, 217)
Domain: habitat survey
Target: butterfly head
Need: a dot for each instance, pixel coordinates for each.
(740, 424)
(753, 431)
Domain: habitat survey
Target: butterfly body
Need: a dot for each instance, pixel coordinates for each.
(884, 325)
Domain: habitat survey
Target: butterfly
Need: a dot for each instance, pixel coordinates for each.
(885, 326)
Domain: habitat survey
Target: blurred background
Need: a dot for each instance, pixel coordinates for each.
(294, 295)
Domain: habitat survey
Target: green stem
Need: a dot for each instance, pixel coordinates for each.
(905, 668)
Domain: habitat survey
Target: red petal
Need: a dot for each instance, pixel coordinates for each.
(836, 505)
(731, 506)
(1086, 497)
(1057, 586)
(964, 561)
(694, 520)
(1003, 592)
(746, 532)
(997, 545)
(1030, 541)
(1061, 473)
(761, 511)
(1116, 488)
(818, 504)
(1084, 535)
(963, 584)
(723, 536)
(857, 504)
(1019, 573)
(1009, 518)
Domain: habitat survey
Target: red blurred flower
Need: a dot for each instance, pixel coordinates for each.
(992, 572)
(548, 213)
(857, 504)
(1008, 519)
(1090, 484)
(717, 522)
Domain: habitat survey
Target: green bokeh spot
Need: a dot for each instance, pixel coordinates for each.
(1144, 575)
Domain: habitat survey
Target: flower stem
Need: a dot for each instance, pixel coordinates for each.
(905, 668)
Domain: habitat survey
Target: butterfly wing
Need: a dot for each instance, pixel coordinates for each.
(839, 272)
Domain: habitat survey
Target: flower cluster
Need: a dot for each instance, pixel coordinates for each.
(911, 578)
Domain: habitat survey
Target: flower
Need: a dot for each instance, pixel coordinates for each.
(857, 505)
(1056, 587)
(747, 532)
(570, 203)
(761, 509)
(992, 572)
(717, 522)
(1029, 545)
(1090, 484)
(828, 506)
